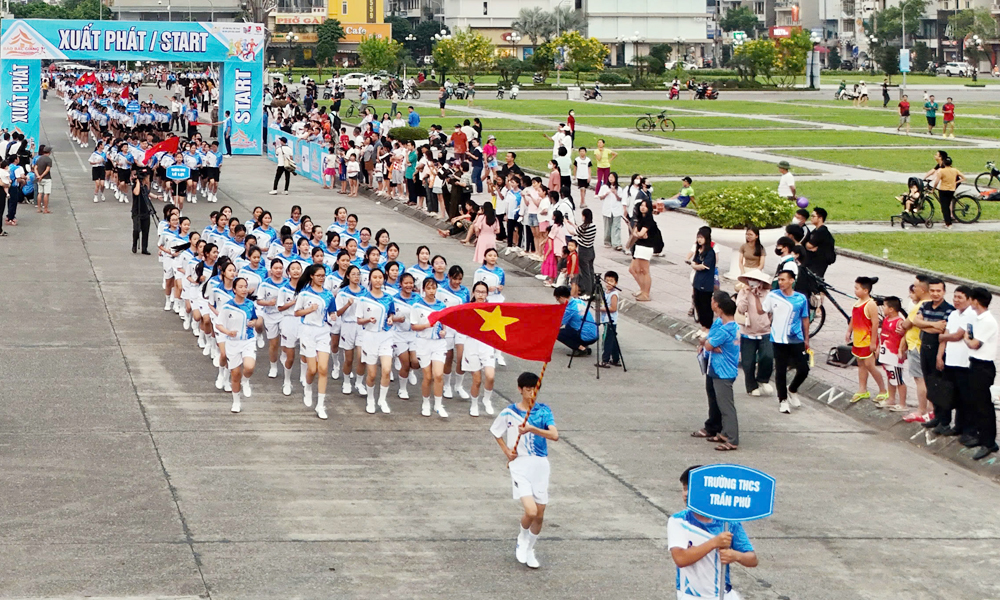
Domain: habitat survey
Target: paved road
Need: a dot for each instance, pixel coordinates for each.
(126, 475)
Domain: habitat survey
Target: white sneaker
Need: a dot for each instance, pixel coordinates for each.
(403, 394)
(346, 389)
(201, 343)
(207, 348)
(447, 392)
(307, 398)
(273, 192)
(260, 342)
(532, 562)
(412, 379)
(335, 374)
(425, 408)
(273, 371)
(229, 386)
(220, 381)
(441, 411)
(521, 550)
(321, 412)
(285, 192)
(286, 388)
(96, 200)
(216, 360)
(474, 409)
(756, 392)
(488, 406)
(783, 407)
(464, 395)
(236, 406)
(501, 361)
(370, 407)
(362, 390)
(383, 406)
(767, 388)
(187, 321)
(793, 400)
(247, 391)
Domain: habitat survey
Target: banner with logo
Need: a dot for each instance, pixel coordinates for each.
(21, 89)
(242, 93)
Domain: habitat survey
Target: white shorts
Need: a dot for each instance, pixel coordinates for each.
(530, 477)
(375, 344)
(45, 186)
(460, 339)
(335, 327)
(272, 325)
(191, 293)
(348, 335)
(449, 338)
(289, 330)
(168, 267)
(314, 339)
(404, 341)
(478, 356)
(429, 351)
(237, 350)
(199, 303)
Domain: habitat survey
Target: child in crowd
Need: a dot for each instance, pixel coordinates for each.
(892, 354)
(583, 164)
(611, 355)
(329, 167)
(910, 197)
(863, 335)
(572, 269)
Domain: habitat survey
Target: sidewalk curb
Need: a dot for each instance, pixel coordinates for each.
(882, 262)
(814, 389)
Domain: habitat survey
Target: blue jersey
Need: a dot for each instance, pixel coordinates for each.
(269, 290)
(294, 225)
(403, 306)
(575, 320)
(287, 259)
(239, 317)
(287, 295)
(701, 579)
(725, 337)
(253, 276)
(380, 308)
(787, 313)
(419, 311)
(511, 417)
(345, 295)
(419, 274)
(310, 297)
(492, 277)
(452, 297)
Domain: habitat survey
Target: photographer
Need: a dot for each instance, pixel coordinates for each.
(142, 209)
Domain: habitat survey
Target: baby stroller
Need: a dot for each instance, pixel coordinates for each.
(922, 207)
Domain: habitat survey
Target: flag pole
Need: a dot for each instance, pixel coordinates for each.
(527, 414)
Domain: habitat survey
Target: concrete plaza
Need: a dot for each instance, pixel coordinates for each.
(126, 476)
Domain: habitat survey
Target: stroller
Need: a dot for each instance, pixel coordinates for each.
(921, 200)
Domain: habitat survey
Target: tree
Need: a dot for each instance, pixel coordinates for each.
(534, 23)
(476, 52)
(328, 36)
(922, 56)
(510, 69)
(378, 54)
(568, 19)
(544, 58)
(584, 54)
(755, 58)
(970, 22)
(88, 10)
(887, 58)
(446, 55)
(833, 59)
(400, 29)
(425, 32)
(661, 52)
(740, 18)
(792, 55)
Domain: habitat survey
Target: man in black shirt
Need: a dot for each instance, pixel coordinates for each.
(931, 319)
(510, 167)
(819, 244)
(142, 209)
(475, 156)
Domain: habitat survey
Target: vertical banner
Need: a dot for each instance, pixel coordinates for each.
(20, 90)
(242, 95)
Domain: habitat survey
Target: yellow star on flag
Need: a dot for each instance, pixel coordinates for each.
(495, 321)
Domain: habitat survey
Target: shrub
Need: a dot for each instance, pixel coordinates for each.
(408, 134)
(735, 207)
(612, 78)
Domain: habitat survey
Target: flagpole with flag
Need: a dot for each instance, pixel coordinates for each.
(535, 329)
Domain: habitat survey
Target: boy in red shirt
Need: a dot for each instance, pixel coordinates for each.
(949, 118)
(892, 354)
(904, 114)
(573, 267)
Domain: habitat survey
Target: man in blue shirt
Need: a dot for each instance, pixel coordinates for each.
(226, 132)
(789, 312)
(579, 329)
(413, 119)
(720, 354)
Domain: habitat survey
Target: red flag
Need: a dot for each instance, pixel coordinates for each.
(167, 145)
(528, 331)
(99, 88)
(86, 79)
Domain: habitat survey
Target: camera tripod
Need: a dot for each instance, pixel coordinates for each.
(598, 291)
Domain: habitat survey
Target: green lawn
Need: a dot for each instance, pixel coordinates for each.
(535, 139)
(970, 161)
(690, 121)
(490, 124)
(745, 107)
(666, 163)
(912, 81)
(848, 200)
(966, 254)
(555, 108)
(789, 139)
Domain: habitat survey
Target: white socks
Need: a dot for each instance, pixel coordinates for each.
(532, 538)
(288, 375)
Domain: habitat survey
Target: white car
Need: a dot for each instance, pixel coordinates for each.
(355, 79)
(684, 65)
(955, 68)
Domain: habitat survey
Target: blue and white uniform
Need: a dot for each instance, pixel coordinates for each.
(701, 580)
(419, 274)
(492, 277)
(529, 472)
(314, 328)
(377, 336)
(431, 344)
(239, 317)
(289, 327)
(404, 338)
(168, 239)
(253, 276)
(294, 225)
(349, 320)
(787, 313)
(269, 290)
(451, 297)
(265, 237)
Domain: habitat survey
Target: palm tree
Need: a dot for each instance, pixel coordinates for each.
(569, 19)
(534, 23)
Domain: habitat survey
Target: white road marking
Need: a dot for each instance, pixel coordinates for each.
(73, 145)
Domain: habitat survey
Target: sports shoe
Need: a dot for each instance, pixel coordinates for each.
(346, 388)
(335, 373)
(229, 386)
(384, 407)
(767, 388)
(755, 392)
(447, 392)
(207, 349)
(285, 192)
(286, 388)
(216, 360)
(532, 562)
(246, 389)
(307, 399)
(362, 390)
(236, 406)
(488, 406)
(370, 407)
(439, 409)
(474, 409)
(793, 400)
(273, 192)
(273, 372)
(521, 550)
(321, 411)
(425, 408)
(403, 394)
(464, 395)
(783, 407)
(500, 361)
(220, 381)
(412, 379)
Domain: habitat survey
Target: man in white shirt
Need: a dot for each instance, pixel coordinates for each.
(698, 544)
(560, 139)
(981, 338)
(953, 360)
(786, 185)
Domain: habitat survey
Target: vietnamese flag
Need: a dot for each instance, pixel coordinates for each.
(528, 331)
(167, 145)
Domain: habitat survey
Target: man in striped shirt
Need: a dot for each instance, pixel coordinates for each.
(789, 312)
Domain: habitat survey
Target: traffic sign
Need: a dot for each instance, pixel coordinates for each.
(731, 493)
(178, 172)
(855, 52)
(132, 107)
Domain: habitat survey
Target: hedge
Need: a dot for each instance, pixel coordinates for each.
(735, 207)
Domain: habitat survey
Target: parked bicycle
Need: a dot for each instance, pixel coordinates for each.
(988, 179)
(649, 122)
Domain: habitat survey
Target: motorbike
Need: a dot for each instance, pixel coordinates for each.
(538, 78)
(705, 92)
(592, 94)
(459, 92)
(844, 94)
(513, 91)
(500, 92)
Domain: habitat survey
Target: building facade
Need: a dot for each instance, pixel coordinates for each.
(687, 25)
(177, 10)
(294, 23)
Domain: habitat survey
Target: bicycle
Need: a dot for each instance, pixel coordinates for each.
(649, 122)
(817, 313)
(966, 209)
(350, 109)
(988, 179)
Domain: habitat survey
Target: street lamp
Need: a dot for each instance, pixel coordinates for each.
(872, 40)
(680, 43)
(514, 38)
(169, 14)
